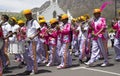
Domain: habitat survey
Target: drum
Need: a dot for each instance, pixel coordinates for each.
(1, 43)
(16, 48)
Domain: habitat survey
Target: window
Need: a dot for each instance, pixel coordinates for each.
(54, 14)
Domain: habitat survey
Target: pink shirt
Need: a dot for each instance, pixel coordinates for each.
(117, 28)
(75, 33)
(97, 26)
(53, 37)
(89, 33)
(66, 33)
(22, 34)
(1, 32)
(43, 35)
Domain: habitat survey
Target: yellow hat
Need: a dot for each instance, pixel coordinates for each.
(20, 22)
(87, 16)
(27, 11)
(64, 16)
(42, 21)
(97, 10)
(74, 20)
(82, 18)
(13, 18)
(53, 20)
(41, 17)
(118, 11)
(78, 18)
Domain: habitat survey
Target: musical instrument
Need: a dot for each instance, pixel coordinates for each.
(1, 39)
(1, 43)
(16, 47)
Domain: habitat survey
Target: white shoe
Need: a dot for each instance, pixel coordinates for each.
(45, 61)
(33, 72)
(49, 64)
(104, 64)
(88, 64)
(117, 59)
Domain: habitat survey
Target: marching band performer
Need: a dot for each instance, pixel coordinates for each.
(75, 37)
(59, 35)
(116, 27)
(13, 38)
(1, 49)
(66, 59)
(43, 37)
(89, 36)
(32, 34)
(21, 36)
(98, 26)
(7, 32)
(52, 32)
(82, 37)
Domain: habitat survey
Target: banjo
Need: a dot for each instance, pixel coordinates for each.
(1, 39)
(1, 43)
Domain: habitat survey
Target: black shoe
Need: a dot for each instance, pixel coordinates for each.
(101, 58)
(6, 69)
(21, 65)
(26, 72)
(87, 59)
(118, 60)
(80, 61)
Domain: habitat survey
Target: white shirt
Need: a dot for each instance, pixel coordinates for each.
(82, 35)
(79, 29)
(32, 28)
(119, 23)
(14, 29)
(112, 35)
(6, 27)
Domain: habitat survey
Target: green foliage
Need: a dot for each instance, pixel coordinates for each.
(18, 16)
(110, 29)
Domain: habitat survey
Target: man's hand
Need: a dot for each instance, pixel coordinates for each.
(31, 38)
(94, 35)
(58, 27)
(4, 38)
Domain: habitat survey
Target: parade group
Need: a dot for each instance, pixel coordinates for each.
(53, 43)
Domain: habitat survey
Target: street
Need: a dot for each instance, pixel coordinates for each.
(77, 69)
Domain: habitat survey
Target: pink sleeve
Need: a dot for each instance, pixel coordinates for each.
(54, 34)
(115, 27)
(44, 32)
(119, 30)
(89, 30)
(66, 29)
(92, 24)
(103, 24)
(58, 32)
(24, 29)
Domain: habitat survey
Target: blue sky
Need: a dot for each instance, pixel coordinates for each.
(19, 5)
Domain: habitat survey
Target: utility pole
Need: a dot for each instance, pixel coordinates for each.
(115, 8)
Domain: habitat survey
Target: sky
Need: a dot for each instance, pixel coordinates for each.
(19, 5)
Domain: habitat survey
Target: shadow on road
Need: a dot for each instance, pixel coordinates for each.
(12, 67)
(99, 65)
(39, 72)
(75, 65)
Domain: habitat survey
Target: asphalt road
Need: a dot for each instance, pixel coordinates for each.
(77, 69)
